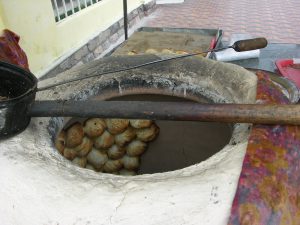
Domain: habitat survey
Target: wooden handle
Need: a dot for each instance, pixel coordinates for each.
(250, 44)
(185, 111)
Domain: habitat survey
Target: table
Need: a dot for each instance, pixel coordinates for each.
(269, 55)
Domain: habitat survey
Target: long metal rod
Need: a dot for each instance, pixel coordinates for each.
(243, 45)
(184, 111)
(126, 69)
(125, 19)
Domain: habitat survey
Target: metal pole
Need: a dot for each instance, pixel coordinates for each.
(125, 19)
(184, 111)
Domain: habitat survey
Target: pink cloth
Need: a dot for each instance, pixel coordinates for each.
(268, 191)
(10, 51)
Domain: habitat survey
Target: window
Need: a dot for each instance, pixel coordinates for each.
(64, 8)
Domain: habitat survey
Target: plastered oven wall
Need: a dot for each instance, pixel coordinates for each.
(44, 40)
(38, 186)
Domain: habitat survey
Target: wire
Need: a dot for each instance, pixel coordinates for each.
(129, 68)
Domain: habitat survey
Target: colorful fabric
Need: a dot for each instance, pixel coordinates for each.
(268, 190)
(10, 51)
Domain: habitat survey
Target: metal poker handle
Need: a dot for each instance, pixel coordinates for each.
(250, 44)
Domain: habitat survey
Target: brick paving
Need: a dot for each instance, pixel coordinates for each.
(277, 20)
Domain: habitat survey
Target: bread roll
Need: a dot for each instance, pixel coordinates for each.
(85, 147)
(131, 53)
(105, 141)
(130, 163)
(70, 153)
(94, 127)
(97, 158)
(74, 135)
(90, 167)
(115, 152)
(81, 162)
(116, 126)
(112, 166)
(167, 51)
(151, 51)
(125, 137)
(136, 148)
(140, 123)
(60, 142)
(147, 134)
(126, 172)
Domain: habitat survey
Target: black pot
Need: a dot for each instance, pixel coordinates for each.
(20, 87)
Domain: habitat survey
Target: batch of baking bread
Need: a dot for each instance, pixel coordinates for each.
(107, 145)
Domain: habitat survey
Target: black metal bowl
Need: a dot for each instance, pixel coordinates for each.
(17, 91)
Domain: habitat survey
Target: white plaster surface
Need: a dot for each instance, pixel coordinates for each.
(39, 186)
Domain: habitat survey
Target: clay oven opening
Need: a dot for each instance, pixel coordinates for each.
(180, 143)
(177, 145)
(173, 144)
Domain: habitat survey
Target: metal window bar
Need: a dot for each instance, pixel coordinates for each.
(78, 5)
(64, 8)
(56, 10)
(72, 6)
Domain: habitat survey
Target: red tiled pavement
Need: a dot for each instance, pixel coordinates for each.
(277, 20)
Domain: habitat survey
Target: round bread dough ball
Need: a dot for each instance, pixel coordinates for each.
(180, 52)
(126, 172)
(94, 127)
(90, 167)
(131, 53)
(85, 147)
(140, 123)
(125, 137)
(167, 51)
(116, 152)
(151, 51)
(130, 163)
(147, 134)
(113, 166)
(81, 162)
(74, 135)
(60, 142)
(70, 153)
(136, 148)
(105, 141)
(116, 126)
(97, 158)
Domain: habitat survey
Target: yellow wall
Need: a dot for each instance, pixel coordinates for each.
(44, 40)
(2, 26)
